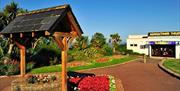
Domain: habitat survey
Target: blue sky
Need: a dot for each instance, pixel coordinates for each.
(116, 16)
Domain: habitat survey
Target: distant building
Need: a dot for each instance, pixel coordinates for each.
(156, 44)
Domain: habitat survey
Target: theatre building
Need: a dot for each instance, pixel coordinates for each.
(156, 44)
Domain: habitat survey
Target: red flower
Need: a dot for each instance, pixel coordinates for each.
(98, 83)
(102, 60)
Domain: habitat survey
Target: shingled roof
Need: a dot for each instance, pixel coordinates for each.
(41, 20)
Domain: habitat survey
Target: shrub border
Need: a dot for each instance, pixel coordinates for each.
(160, 64)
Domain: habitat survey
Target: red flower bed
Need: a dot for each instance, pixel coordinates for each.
(102, 60)
(97, 83)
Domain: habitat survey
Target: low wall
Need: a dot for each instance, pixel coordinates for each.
(21, 85)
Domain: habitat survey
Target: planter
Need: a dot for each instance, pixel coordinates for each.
(23, 84)
(35, 87)
(94, 83)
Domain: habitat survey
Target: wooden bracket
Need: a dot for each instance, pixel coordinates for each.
(22, 57)
(59, 42)
(19, 45)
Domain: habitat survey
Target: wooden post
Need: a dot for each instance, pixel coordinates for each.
(23, 63)
(144, 58)
(64, 62)
(62, 43)
(22, 58)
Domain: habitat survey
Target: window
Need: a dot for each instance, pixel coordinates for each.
(143, 46)
(135, 44)
(131, 44)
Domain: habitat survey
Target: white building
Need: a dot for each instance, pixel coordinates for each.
(156, 44)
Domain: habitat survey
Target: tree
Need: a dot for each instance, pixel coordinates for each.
(81, 42)
(3, 20)
(115, 41)
(7, 15)
(98, 40)
(11, 10)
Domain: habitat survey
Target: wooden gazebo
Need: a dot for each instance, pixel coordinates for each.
(58, 22)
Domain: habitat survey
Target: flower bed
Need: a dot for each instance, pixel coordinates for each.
(102, 60)
(94, 83)
(32, 79)
(36, 83)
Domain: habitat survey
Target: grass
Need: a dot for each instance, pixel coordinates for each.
(47, 69)
(57, 68)
(173, 64)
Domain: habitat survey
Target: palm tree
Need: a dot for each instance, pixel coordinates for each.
(9, 13)
(115, 41)
(3, 20)
(98, 40)
(81, 42)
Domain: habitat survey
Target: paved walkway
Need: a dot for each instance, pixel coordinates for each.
(5, 83)
(137, 76)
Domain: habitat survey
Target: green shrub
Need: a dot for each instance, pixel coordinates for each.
(1, 52)
(53, 78)
(79, 55)
(2, 69)
(70, 58)
(12, 69)
(32, 79)
(8, 66)
(129, 51)
(54, 60)
(30, 66)
(90, 52)
(107, 50)
(122, 48)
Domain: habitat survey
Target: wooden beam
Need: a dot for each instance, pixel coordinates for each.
(59, 42)
(73, 23)
(22, 58)
(33, 34)
(21, 35)
(64, 63)
(11, 36)
(47, 33)
(63, 34)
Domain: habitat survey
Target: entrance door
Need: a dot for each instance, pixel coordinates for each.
(163, 50)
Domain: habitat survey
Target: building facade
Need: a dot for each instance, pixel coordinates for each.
(156, 44)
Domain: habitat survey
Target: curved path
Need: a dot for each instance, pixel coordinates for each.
(137, 76)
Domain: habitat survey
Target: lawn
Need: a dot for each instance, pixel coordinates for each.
(173, 64)
(57, 68)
